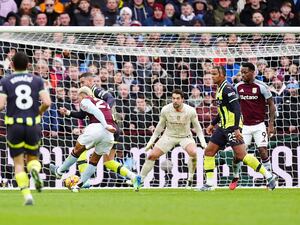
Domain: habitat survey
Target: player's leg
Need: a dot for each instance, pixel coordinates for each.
(117, 167)
(217, 140)
(153, 155)
(237, 164)
(87, 140)
(82, 162)
(70, 160)
(265, 159)
(32, 146)
(252, 161)
(189, 145)
(34, 167)
(22, 179)
(104, 140)
(82, 165)
(15, 141)
(261, 141)
(88, 172)
(163, 145)
(209, 165)
(111, 164)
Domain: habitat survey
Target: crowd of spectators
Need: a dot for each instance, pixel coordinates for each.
(149, 12)
(142, 84)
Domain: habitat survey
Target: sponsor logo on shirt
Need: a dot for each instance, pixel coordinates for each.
(231, 94)
(248, 97)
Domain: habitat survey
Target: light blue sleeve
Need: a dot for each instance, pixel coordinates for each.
(264, 89)
(87, 106)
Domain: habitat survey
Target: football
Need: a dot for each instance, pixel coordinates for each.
(71, 181)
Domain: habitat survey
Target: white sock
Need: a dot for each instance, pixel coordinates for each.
(236, 167)
(89, 171)
(147, 167)
(210, 181)
(268, 175)
(67, 164)
(131, 175)
(267, 165)
(192, 163)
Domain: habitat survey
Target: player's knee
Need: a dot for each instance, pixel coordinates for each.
(239, 156)
(78, 149)
(192, 152)
(236, 160)
(94, 159)
(209, 152)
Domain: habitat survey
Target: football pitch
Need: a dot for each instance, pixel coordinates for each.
(156, 206)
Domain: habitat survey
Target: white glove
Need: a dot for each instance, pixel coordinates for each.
(148, 146)
(203, 144)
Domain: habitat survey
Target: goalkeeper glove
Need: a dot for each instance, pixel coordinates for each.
(203, 144)
(148, 146)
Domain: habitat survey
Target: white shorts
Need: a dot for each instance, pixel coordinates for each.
(166, 143)
(95, 135)
(258, 132)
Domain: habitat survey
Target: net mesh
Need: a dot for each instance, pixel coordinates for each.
(141, 70)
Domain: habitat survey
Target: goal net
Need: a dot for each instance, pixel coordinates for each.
(141, 66)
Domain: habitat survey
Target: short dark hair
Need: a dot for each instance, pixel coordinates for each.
(178, 92)
(141, 96)
(85, 75)
(20, 61)
(249, 65)
(221, 69)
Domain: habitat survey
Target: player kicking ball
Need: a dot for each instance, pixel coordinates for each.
(98, 134)
(254, 95)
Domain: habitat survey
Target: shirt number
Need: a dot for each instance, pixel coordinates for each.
(24, 100)
(100, 105)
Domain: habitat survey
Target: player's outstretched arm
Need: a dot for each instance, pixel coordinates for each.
(46, 101)
(2, 101)
(158, 129)
(76, 114)
(209, 129)
(104, 95)
(198, 129)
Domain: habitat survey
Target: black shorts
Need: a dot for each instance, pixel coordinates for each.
(24, 139)
(222, 137)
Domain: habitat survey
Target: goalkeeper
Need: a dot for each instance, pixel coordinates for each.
(87, 79)
(175, 119)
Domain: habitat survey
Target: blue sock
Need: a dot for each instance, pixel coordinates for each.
(89, 171)
(67, 164)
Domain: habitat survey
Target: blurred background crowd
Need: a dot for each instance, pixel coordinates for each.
(149, 12)
(142, 84)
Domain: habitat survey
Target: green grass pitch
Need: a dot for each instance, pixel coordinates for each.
(156, 206)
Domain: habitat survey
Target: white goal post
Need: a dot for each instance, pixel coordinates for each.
(140, 66)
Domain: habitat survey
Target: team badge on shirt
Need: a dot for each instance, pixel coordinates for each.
(254, 90)
(178, 118)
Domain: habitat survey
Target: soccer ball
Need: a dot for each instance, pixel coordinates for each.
(166, 166)
(71, 181)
